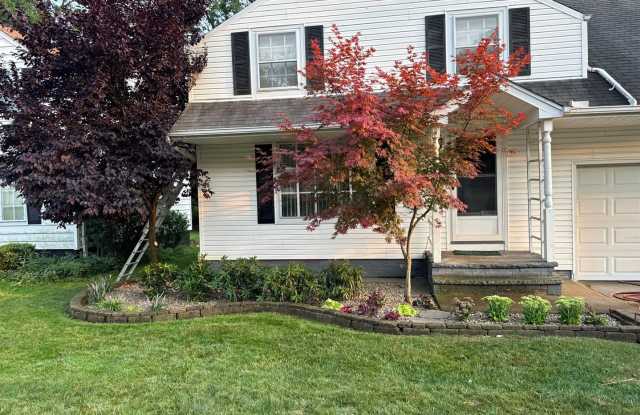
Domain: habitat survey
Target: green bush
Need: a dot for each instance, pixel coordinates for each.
(594, 319)
(406, 310)
(295, 284)
(194, 281)
(158, 278)
(570, 309)
(239, 280)
(113, 238)
(13, 256)
(341, 280)
(499, 307)
(174, 230)
(332, 305)
(535, 309)
(68, 267)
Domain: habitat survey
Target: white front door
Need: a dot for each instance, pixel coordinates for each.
(608, 222)
(480, 225)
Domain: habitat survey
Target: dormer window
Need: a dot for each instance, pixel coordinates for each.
(277, 60)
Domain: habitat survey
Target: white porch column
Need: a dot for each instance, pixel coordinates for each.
(547, 128)
(436, 234)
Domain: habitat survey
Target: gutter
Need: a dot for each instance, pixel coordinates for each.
(614, 84)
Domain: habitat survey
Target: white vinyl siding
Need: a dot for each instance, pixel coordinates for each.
(228, 220)
(570, 147)
(389, 26)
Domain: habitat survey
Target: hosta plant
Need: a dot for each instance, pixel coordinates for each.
(535, 309)
(570, 309)
(499, 307)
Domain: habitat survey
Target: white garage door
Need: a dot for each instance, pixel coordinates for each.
(608, 222)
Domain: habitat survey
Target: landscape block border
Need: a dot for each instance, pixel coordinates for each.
(78, 310)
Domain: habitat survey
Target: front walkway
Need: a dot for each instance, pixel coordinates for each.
(599, 295)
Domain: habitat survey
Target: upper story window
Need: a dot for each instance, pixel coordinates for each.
(277, 60)
(13, 206)
(471, 30)
(466, 31)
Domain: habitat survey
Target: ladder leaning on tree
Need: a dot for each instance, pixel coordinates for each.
(166, 203)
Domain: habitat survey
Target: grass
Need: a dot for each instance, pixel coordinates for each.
(267, 363)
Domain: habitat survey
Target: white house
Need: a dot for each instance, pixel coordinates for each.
(566, 185)
(19, 222)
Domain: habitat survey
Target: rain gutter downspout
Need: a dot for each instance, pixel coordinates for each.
(614, 85)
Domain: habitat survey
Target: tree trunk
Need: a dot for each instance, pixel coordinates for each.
(409, 262)
(153, 243)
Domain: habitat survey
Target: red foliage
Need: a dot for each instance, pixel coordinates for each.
(378, 134)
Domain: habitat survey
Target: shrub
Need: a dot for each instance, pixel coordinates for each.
(295, 283)
(158, 278)
(194, 281)
(240, 279)
(373, 303)
(392, 315)
(13, 256)
(570, 309)
(158, 303)
(499, 307)
(42, 268)
(97, 290)
(111, 304)
(174, 230)
(332, 305)
(594, 319)
(406, 310)
(464, 308)
(341, 280)
(535, 309)
(113, 238)
(346, 309)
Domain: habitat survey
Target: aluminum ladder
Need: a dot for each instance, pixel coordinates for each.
(535, 193)
(164, 206)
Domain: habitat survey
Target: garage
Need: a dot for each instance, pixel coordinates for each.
(608, 222)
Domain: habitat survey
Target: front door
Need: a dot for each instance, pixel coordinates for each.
(480, 224)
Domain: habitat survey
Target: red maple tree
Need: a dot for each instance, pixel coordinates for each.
(387, 146)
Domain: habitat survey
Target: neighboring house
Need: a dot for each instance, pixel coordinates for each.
(18, 221)
(582, 212)
(22, 223)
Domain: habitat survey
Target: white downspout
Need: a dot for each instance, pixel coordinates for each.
(614, 84)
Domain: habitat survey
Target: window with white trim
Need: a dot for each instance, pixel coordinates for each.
(13, 207)
(299, 200)
(277, 60)
(470, 30)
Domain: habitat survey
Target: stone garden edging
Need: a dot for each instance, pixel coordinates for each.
(79, 310)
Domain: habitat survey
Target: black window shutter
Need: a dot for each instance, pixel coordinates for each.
(241, 62)
(34, 216)
(266, 208)
(312, 33)
(520, 33)
(436, 43)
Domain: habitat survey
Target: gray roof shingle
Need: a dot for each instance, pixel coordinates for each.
(614, 45)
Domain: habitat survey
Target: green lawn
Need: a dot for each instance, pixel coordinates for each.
(275, 364)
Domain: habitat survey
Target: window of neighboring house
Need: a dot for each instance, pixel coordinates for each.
(277, 60)
(13, 206)
(299, 200)
(470, 30)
